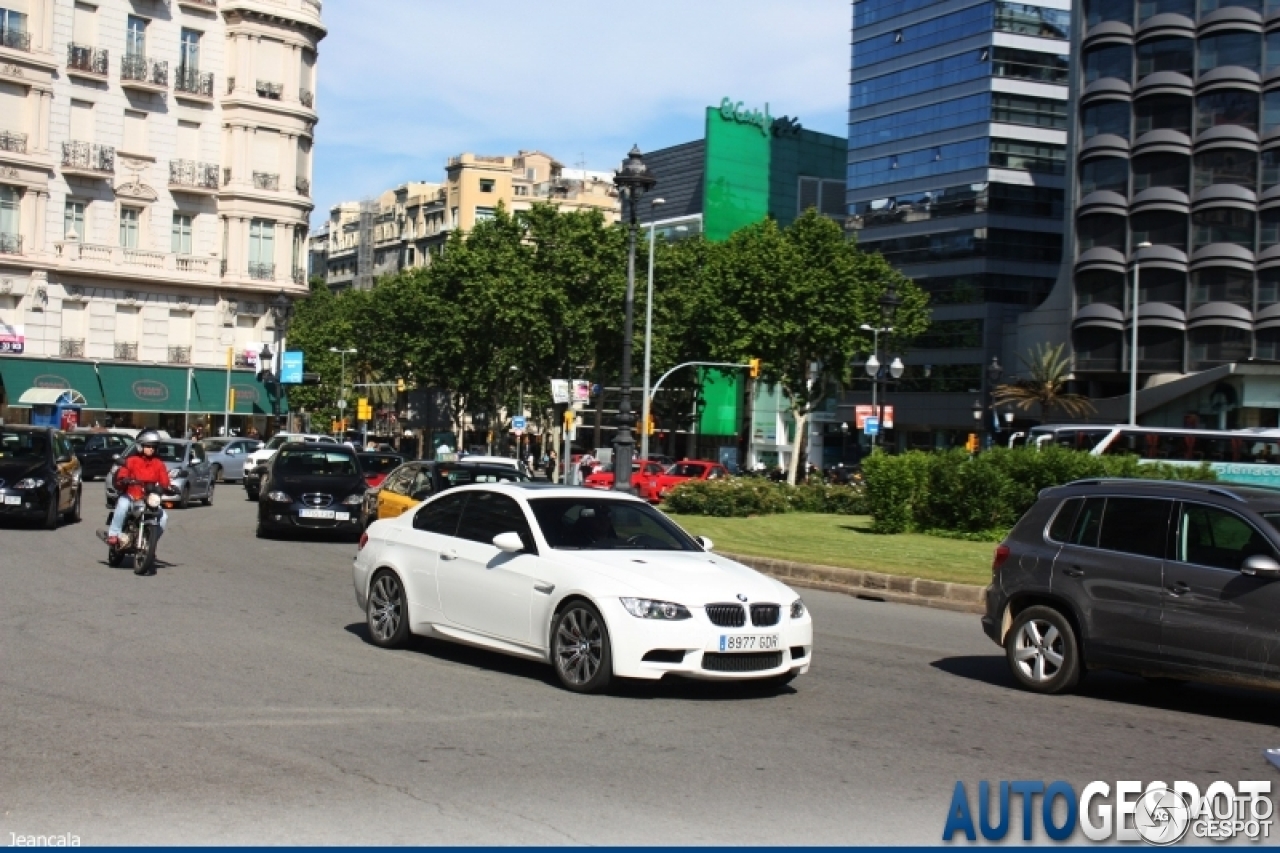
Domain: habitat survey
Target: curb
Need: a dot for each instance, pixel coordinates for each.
(873, 586)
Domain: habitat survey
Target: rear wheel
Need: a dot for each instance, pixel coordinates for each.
(252, 493)
(580, 649)
(73, 514)
(386, 611)
(184, 500)
(51, 516)
(1042, 651)
(208, 499)
(217, 473)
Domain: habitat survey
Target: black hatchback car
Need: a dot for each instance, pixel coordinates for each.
(40, 476)
(1173, 581)
(312, 486)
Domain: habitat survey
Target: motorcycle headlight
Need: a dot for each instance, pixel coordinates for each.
(353, 500)
(153, 500)
(797, 609)
(279, 497)
(644, 608)
(29, 483)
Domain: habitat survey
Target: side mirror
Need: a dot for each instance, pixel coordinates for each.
(509, 542)
(1261, 566)
(705, 542)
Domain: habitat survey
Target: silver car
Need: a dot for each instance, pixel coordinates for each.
(189, 471)
(227, 456)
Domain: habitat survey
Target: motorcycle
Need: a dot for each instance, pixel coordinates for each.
(141, 529)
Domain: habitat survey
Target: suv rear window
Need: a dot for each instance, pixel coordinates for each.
(1127, 525)
(1060, 529)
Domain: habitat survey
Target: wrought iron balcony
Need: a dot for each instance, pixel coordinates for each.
(303, 186)
(140, 69)
(16, 39)
(267, 89)
(87, 157)
(299, 275)
(266, 181)
(10, 244)
(179, 355)
(86, 59)
(306, 97)
(127, 352)
(14, 142)
(263, 272)
(71, 348)
(189, 173)
(189, 81)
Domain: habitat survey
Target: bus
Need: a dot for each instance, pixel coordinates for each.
(1249, 457)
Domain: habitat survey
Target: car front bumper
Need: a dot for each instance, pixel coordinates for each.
(345, 517)
(24, 503)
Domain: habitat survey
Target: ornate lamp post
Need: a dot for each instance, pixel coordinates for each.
(889, 302)
(282, 314)
(994, 372)
(632, 180)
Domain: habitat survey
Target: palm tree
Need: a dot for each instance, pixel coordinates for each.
(1050, 369)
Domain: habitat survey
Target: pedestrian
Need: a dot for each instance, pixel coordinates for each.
(585, 467)
(553, 469)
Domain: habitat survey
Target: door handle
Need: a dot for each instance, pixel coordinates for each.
(1180, 588)
(448, 555)
(1073, 572)
(545, 588)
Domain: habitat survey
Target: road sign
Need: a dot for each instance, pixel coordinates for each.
(291, 367)
(581, 391)
(861, 413)
(871, 425)
(342, 404)
(519, 422)
(559, 390)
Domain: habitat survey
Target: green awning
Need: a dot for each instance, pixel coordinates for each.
(21, 374)
(209, 390)
(143, 387)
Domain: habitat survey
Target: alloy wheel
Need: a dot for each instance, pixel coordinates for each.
(1040, 651)
(384, 607)
(579, 646)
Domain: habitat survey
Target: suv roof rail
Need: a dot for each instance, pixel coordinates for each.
(1211, 488)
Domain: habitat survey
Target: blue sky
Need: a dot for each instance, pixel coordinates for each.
(405, 84)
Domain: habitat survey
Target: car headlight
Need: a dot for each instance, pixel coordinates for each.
(644, 608)
(29, 483)
(797, 608)
(353, 500)
(279, 497)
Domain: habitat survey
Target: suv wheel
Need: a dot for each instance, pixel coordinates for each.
(1042, 651)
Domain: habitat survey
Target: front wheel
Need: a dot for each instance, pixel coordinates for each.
(51, 516)
(184, 500)
(144, 561)
(386, 612)
(252, 493)
(217, 473)
(1042, 651)
(73, 514)
(208, 499)
(580, 649)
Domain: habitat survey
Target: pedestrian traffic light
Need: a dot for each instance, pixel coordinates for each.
(753, 369)
(400, 385)
(649, 426)
(364, 412)
(971, 444)
(568, 418)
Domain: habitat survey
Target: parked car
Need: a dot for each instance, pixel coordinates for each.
(189, 471)
(228, 456)
(642, 470)
(97, 450)
(40, 476)
(414, 482)
(312, 486)
(376, 465)
(254, 463)
(597, 584)
(518, 464)
(656, 488)
(1173, 581)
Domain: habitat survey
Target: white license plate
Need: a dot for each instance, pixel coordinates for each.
(342, 516)
(315, 513)
(748, 643)
(12, 500)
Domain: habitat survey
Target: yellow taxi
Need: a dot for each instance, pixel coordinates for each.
(413, 482)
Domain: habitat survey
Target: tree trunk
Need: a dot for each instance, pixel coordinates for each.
(796, 446)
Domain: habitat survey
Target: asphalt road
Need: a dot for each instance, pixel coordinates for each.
(234, 699)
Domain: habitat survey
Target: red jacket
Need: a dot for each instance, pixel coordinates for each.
(143, 470)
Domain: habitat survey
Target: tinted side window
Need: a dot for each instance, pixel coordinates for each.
(1088, 523)
(1136, 526)
(440, 516)
(487, 514)
(398, 482)
(1060, 529)
(1209, 536)
(197, 453)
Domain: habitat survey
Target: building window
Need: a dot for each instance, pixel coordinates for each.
(181, 241)
(135, 37)
(13, 29)
(189, 50)
(10, 208)
(1110, 117)
(1243, 49)
(1104, 173)
(484, 214)
(262, 247)
(73, 220)
(1167, 54)
(486, 185)
(129, 217)
(1162, 112)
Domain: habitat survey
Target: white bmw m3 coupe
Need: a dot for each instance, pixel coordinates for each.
(598, 584)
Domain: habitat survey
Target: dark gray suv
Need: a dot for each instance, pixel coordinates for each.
(1173, 581)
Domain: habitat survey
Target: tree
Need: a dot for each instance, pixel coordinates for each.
(796, 299)
(1050, 370)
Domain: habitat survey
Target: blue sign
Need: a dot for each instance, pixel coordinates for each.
(871, 426)
(518, 422)
(291, 368)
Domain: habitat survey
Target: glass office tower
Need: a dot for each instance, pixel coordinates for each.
(957, 153)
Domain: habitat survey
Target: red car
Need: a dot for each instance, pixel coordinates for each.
(642, 470)
(377, 465)
(656, 488)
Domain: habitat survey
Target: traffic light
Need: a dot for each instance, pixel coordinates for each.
(311, 379)
(649, 426)
(971, 444)
(568, 418)
(364, 412)
(753, 369)
(400, 386)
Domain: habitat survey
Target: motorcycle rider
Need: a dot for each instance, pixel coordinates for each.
(139, 470)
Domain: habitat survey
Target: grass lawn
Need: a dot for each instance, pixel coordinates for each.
(845, 540)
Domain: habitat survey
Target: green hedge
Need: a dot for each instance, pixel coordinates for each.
(956, 492)
(739, 497)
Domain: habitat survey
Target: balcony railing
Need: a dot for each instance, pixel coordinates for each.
(16, 39)
(303, 186)
(140, 69)
(263, 272)
(127, 352)
(306, 97)
(189, 173)
(86, 59)
(266, 181)
(14, 142)
(299, 275)
(179, 355)
(10, 244)
(193, 82)
(88, 157)
(71, 348)
(267, 89)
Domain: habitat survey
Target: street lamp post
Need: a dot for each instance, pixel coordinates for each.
(281, 313)
(342, 399)
(632, 180)
(1133, 350)
(977, 419)
(994, 372)
(648, 337)
(889, 302)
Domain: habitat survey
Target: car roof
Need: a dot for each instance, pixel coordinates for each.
(1234, 492)
(28, 428)
(317, 445)
(548, 490)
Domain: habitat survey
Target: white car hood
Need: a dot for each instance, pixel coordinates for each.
(692, 578)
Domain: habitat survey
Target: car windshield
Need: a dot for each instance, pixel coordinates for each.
(463, 475)
(22, 445)
(378, 463)
(600, 524)
(213, 445)
(276, 441)
(316, 463)
(686, 469)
